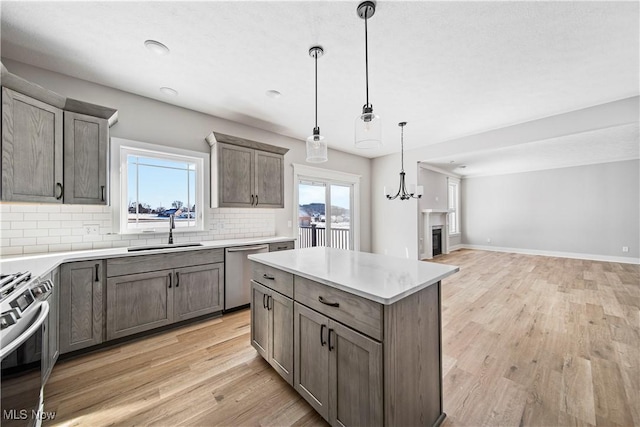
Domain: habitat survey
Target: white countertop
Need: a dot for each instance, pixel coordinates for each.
(380, 278)
(41, 264)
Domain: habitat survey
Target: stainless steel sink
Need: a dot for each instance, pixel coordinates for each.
(162, 246)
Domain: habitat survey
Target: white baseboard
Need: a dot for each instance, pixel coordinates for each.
(455, 248)
(590, 257)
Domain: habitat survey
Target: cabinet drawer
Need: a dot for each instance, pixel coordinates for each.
(143, 263)
(356, 312)
(272, 278)
(281, 246)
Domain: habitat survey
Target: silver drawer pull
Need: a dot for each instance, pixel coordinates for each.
(332, 304)
(266, 276)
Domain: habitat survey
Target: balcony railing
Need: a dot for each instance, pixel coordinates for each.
(311, 235)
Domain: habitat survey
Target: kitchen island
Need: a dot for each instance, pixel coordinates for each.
(358, 335)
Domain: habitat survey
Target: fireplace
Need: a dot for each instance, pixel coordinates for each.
(434, 233)
(436, 240)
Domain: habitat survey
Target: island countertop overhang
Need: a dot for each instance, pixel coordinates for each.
(379, 278)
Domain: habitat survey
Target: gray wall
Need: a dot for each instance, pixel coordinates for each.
(147, 120)
(593, 210)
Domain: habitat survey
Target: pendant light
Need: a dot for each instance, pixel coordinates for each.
(316, 144)
(368, 127)
(402, 189)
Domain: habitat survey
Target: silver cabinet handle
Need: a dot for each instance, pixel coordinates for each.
(248, 248)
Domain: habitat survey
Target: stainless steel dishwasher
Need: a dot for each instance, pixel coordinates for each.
(237, 275)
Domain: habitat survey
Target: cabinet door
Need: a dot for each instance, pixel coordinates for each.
(31, 149)
(85, 159)
(311, 375)
(269, 185)
(198, 290)
(139, 302)
(235, 176)
(281, 335)
(259, 319)
(80, 305)
(355, 378)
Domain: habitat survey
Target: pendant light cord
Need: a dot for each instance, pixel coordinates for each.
(366, 56)
(316, 58)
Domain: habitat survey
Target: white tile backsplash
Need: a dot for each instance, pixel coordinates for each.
(30, 228)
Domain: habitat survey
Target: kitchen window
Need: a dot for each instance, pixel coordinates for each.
(453, 185)
(155, 182)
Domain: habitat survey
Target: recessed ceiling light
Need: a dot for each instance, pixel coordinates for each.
(273, 94)
(156, 47)
(169, 91)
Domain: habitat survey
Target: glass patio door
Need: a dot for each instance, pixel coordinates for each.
(324, 214)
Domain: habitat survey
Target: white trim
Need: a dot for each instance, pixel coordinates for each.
(574, 255)
(301, 171)
(202, 196)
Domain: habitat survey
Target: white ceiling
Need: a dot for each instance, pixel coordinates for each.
(450, 69)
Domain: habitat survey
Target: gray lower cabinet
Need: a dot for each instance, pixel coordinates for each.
(338, 370)
(86, 140)
(272, 328)
(281, 246)
(50, 343)
(31, 149)
(81, 288)
(144, 301)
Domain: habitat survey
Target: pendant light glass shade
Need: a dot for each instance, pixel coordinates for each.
(316, 144)
(368, 126)
(316, 149)
(368, 131)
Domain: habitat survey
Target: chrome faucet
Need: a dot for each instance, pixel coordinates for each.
(172, 225)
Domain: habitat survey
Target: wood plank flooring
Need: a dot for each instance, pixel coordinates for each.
(527, 340)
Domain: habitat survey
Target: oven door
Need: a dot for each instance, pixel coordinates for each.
(22, 372)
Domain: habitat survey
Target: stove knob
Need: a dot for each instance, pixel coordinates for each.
(37, 291)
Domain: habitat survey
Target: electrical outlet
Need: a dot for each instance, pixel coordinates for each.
(92, 229)
(625, 249)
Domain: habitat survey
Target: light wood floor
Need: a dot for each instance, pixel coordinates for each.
(527, 340)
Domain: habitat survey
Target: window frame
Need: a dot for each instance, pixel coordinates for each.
(120, 149)
(455, 206)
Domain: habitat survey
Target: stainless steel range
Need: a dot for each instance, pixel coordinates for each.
(23, 312)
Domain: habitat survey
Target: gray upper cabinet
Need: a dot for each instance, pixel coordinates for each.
(269, 183)
(86, 141)
(42, 132)
(249, 173)
(81, 305)
(236, 173)
(31, 149)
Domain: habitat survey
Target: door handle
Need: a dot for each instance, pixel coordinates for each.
(169, 279)
(257, 200)
(325, 302)
(102, 193)
(97, 273)
(331, 347)
(252, 200)
(177, 279)
(264, 300)
(269, 302)
(61, 188)
(322, 341)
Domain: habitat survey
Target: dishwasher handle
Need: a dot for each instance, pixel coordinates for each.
(248, 248)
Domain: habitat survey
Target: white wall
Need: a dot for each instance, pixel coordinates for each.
(590, 210)
(147, 120)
